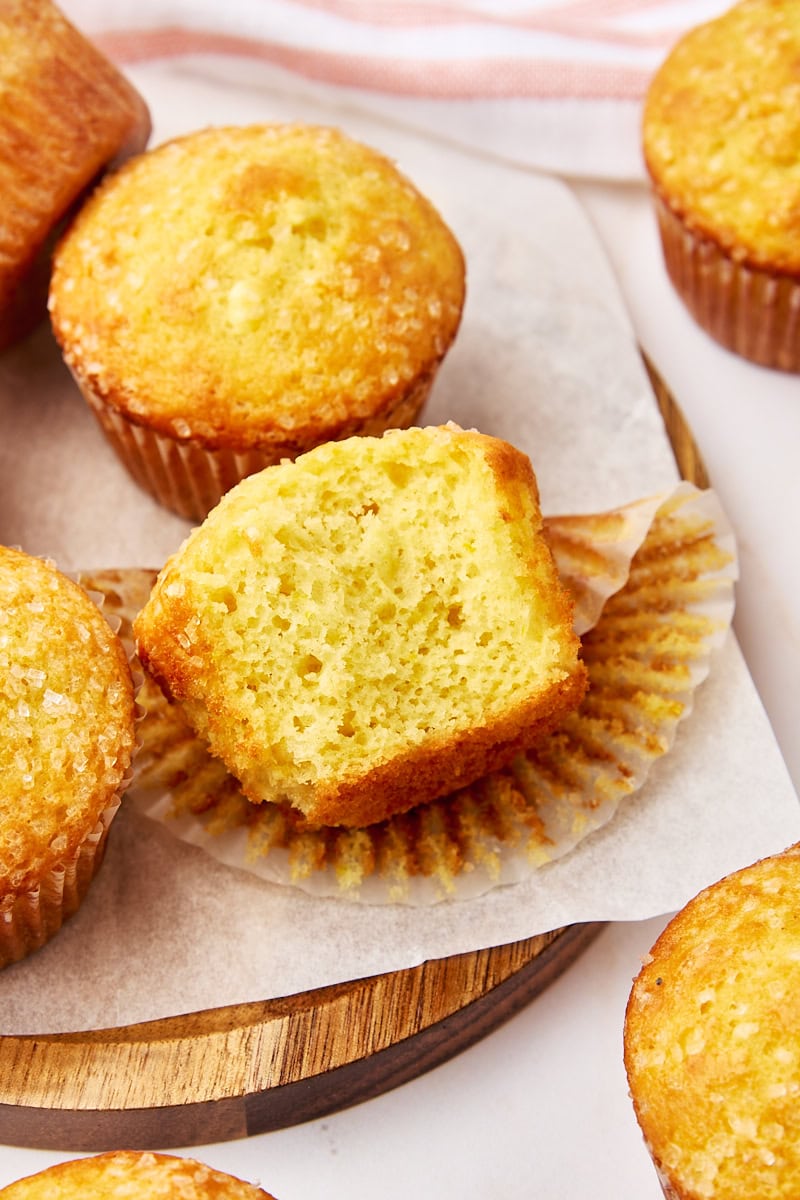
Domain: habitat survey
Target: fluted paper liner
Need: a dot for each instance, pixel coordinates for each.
(29, 919)
(653, 587)
(751, 311)
(190, 477)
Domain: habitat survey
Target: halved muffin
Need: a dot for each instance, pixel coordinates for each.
(370, 626)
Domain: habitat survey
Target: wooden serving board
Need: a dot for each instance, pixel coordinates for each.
(248, 1068)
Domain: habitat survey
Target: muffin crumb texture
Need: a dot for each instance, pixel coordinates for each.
(369, 626)
(711, 1040)
(132, 1175)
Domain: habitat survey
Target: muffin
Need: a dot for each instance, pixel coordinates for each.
(66, 114)
(369, 626)
(721, 137)
(66, 739)
(712, 1040)
(122, 1174)
(240, 295)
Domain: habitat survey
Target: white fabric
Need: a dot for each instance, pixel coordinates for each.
(553, 84)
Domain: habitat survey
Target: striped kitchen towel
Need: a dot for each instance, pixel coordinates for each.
(555, 84)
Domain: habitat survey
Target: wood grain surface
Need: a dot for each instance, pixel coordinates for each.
(242, 1069)
(247, 1068)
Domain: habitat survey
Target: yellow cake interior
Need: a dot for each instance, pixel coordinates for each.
(377, 599)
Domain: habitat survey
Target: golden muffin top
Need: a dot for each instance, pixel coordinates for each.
(132, 1175)
(712, 1039)
(255, 283)
(66, 717)
(721, 132)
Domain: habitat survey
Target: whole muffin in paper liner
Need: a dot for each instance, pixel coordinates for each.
(712, 1049)
(66, 115)
(121, 1174)
(239, 295)
(66, 741)
(721, 139)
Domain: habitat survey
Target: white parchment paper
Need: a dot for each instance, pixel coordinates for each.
(546, 358)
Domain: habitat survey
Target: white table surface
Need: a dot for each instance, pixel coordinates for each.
(540, 1107)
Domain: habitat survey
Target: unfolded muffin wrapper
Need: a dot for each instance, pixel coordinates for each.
(190, 477)
(755, 313)
(653, 585)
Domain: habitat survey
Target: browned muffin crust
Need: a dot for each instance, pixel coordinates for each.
(67, 709)
(262, 287)
(370, 626)
(125, 1174)
(711, 1040)
(721, 133)
(66, 741)
(66, 114)
(721, 140)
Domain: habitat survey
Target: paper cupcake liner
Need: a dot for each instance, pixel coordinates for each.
(30, 918)
(112, 122)
(752, 312)
(666, 1186)
(190, 478)
(654, 580)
